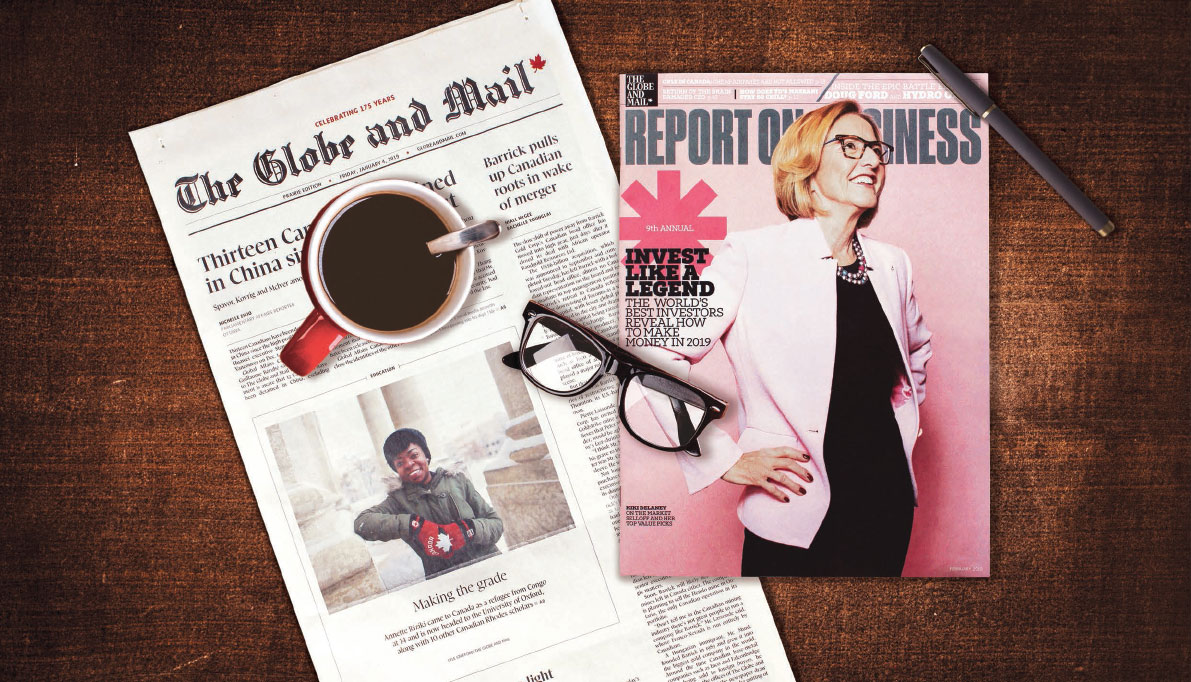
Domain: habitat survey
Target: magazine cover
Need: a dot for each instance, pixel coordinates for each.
(804, 261)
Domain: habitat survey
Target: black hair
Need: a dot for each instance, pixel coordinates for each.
(400, 440)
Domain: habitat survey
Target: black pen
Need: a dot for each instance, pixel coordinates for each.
(971, 96)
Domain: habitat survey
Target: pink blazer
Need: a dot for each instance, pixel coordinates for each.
(777, 287)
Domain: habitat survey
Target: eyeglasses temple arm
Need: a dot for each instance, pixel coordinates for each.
(531, 356)
(686, 430)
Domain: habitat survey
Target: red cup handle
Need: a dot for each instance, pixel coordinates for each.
(311, 343)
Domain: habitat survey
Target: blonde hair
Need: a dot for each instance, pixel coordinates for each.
(797, 155)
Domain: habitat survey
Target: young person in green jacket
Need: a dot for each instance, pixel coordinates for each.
(438, 513)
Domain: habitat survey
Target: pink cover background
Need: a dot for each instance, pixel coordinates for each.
(939, 215)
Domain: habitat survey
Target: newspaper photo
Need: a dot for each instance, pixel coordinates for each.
(812, 250)
(434, 515)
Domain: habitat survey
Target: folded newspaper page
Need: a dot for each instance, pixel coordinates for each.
(810, 249)
(351, 464)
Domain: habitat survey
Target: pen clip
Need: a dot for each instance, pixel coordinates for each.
(940, 79)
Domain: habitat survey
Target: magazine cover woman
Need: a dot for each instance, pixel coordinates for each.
(829, 351)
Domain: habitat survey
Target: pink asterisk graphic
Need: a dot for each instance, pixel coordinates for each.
(671, 219)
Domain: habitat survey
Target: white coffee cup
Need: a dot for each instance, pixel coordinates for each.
(327, 324)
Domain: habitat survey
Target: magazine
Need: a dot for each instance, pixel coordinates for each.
(813, 250)
(488, 112)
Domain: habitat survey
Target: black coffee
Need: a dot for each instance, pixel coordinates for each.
(376, 265)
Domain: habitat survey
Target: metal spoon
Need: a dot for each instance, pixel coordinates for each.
(461, 239)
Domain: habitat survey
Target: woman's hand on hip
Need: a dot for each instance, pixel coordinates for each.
(767, 467)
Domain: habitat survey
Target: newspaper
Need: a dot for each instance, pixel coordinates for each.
(489, 112)
(730, 184)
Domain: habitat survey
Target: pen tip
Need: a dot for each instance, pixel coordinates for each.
(1108, 229)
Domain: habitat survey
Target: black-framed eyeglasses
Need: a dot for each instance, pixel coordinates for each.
(853, 147)
(562, 357)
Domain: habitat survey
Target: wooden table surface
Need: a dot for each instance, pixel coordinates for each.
(132, 545)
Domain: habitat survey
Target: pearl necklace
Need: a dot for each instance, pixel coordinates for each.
(860, 277)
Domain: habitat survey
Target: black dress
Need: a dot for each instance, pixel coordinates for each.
(867, 527)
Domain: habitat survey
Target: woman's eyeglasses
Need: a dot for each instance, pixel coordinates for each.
(853, 147)
(562, 357)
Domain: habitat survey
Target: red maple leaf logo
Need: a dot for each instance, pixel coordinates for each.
(537, 63)
(671, 208)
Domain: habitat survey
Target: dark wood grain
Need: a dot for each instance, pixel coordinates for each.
(133, 547)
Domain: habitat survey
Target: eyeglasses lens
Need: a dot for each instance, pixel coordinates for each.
(558, 356)
(884, 152)
(662, 412)
(854, 148)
